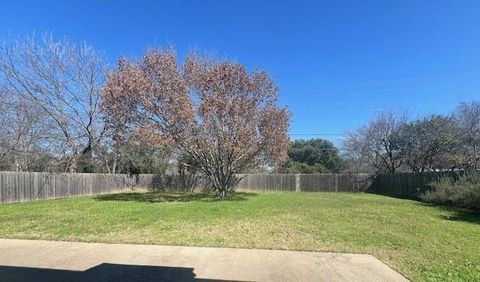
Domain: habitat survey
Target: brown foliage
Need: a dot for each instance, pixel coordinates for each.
(225, 119)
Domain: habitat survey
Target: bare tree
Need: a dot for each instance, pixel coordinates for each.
(467, 116)
(5, 141)
(64, 80)
(23, 136)
(429, 143)
(225, 119)
(377, 143)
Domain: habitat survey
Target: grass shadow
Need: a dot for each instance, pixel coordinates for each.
(402, 197)
(457, 214)
(172, 197)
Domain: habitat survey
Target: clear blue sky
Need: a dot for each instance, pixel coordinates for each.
(336, 62)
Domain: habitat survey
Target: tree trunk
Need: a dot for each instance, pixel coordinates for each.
(223, 193)
(74, 163)
(223, 183)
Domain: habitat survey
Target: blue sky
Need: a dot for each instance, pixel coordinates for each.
(336, 62)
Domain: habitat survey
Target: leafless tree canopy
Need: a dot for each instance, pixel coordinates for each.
(429, 143)
(390, 142)
(62, 82)
(377, 143)
(467, 116)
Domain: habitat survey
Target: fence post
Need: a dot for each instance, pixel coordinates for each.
(297, 182)
(336, 182)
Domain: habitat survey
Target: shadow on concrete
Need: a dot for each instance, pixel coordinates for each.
(102, 272)
(159, 197)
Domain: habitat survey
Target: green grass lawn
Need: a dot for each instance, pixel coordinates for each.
(420, 241)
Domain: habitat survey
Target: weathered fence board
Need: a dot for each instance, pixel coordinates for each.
(31, 186)
(266, 183)
(407, 184)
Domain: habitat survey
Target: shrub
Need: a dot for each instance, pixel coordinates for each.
(463, 192)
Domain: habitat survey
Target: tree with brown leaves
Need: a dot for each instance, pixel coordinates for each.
(223, 118)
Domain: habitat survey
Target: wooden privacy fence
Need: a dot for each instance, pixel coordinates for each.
(327, 182)
(30, 186)
(410, 185)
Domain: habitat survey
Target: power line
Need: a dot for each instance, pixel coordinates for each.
(319, 134)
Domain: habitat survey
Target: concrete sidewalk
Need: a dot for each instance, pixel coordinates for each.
(28, 260)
